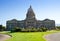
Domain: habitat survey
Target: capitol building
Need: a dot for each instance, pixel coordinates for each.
(30, 21)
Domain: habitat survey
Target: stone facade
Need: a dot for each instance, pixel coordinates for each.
(30, 21)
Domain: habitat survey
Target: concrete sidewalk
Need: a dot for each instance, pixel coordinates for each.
(53, 37)
(4, 37)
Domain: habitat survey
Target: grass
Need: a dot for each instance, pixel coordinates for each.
(29, 36)
(5, 32)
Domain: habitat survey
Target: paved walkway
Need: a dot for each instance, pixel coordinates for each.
(53, 37)
(3, 37)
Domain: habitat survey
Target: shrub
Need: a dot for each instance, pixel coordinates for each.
(16, 29)
(42, 29)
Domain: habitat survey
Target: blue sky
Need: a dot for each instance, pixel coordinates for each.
(17, 9)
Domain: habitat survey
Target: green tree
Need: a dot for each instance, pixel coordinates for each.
(2, 28)
(57, 27)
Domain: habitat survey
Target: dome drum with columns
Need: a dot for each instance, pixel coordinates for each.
(30, 22)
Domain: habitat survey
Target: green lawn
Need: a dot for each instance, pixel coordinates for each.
(29, 36)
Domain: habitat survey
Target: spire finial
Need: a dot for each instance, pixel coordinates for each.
(30, 6)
